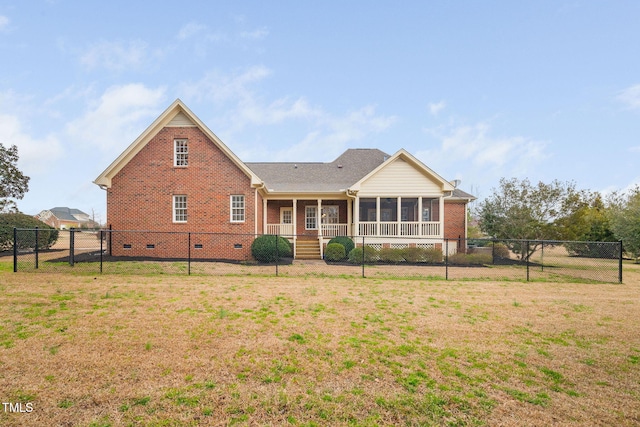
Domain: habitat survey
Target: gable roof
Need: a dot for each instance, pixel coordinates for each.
(67, 214)
(345, 173)
(177, 114)
(315, 177)
(462, 195)
(413, 161)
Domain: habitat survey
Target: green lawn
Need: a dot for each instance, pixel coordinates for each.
(163, 350)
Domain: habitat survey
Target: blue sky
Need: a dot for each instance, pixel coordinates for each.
(477, 90)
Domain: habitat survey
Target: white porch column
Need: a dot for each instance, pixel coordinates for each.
(352, 204)
(264, 216)
(420, 216)
(294, 218)
(295, 226)
(355, 216)
(319, 224)
(377, 216)
(399, 215)
(319, 219)
(256, 211)
(442, 216)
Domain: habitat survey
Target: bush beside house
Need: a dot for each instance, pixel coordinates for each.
(269, 248)
(345, 241)
(334, 252)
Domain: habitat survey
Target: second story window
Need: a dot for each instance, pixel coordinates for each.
(180, 152)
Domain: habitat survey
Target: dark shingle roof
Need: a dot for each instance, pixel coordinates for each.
(66, 214)
(340, 174)
(459, 194)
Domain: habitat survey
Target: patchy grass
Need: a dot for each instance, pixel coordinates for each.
(185, 351)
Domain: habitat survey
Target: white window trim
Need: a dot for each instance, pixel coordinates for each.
(174, 210)
(307, 217)
(175, 152)
(243, 208)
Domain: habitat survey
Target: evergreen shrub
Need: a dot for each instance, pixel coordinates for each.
(344, 241)
(263, 248)
(334, 252)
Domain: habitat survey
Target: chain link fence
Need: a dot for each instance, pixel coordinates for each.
(151, 252)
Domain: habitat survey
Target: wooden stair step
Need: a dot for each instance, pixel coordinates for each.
(308, 249)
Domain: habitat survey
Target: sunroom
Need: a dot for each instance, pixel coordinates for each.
(398, 216)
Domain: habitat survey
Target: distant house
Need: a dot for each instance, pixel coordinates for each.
(179, 176)
(64, 218)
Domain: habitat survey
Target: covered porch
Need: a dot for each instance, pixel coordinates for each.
(399, 216)
(378, 217)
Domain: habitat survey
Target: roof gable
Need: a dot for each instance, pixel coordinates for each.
(176, 115)
(402, 168)
(67, 214)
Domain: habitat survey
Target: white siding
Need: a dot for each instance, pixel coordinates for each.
(399, 179)
(180, 120)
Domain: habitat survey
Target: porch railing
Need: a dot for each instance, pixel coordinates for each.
(333, 230)
(281, 229)
(391, 228)
(404, 228)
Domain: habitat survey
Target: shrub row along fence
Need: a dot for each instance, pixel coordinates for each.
(148, 252)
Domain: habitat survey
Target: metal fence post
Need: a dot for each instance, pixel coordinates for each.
(363, 257)
(101, 248)
(72, 245)
(542, 256)
(15, 250)
(446, 259)
(36, 248)
(189, 255)
(277, 253)
(526, 246)
(110, 245)
(620, 262)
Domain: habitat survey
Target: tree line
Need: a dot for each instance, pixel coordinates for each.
(520, 210)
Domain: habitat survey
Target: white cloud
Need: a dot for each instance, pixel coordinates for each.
(36, 154)
(117, 56)
(4, 23)
(310, 132)
(118, 117)
(223, 88)
(190, 29)
(472, 152)
(630, 96)
(257, 34)
(330, 135)
(435, 108)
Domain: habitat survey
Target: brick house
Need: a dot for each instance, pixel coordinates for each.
(178, 176)
(64, 217)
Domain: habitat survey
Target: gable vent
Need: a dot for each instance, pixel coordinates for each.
(181, 120)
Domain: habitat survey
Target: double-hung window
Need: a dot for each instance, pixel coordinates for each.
(311, 217)
(237, 208)
(180, 152)
(180, 208)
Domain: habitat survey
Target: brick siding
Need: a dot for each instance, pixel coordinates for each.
(141, 196)
(454, 221)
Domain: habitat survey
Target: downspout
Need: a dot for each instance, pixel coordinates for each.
(352, 194)
(261, 186)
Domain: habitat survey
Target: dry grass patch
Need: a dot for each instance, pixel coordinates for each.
(183, 351)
